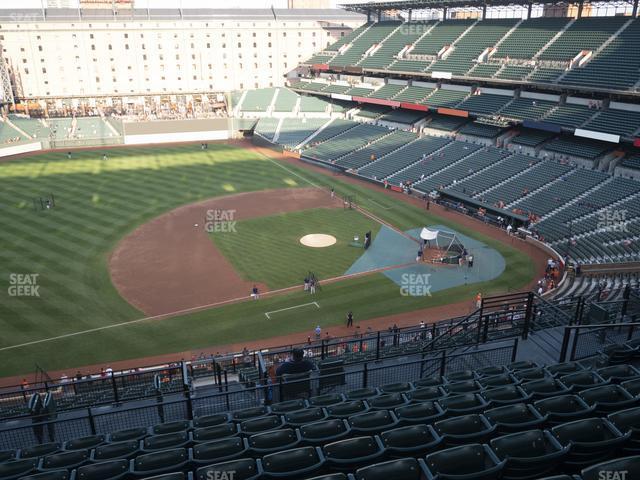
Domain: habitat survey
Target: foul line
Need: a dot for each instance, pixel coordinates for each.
(266, 314)
(288, 170)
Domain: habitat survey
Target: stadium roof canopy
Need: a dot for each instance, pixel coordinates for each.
(429, 4)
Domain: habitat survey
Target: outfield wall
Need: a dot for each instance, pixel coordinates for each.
(176, 131)
(19, 149)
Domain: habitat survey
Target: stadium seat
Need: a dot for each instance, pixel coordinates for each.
(544, 388)
(6, 455)
(166, 441)
(387, 401)
(261, 424)
(608, 398)
(50, 475)
(515, 418)
(618, 373)
(628, 421)
(111, 470)
(372, 422)
(293, 464)
(158, 463)
(467, 462)
(619, 354)
(632, 386)
(170, 427)
(460, 376)
(115, 451)
(422, 394)
(289, 406)
(84, 442)
(295, 385)
(352, 453)
(400, 387)
(582, 380)
(412, 440)
(505, 395)
(521, 365)
(308, 415)
(249, 413)
(327, 431)
(528, 374)
(463, 404)
(171, 476)
(528, 454)
(462, 386)
(18, 468)
(591, 440)
(128, 434)
(464, 429)
(218, 451)
(498, 380)
(243, 469)
(424, 412)
(346, 409)
(68, 460)
(326, 400)
(402, 469)
(362, 394)
(211, 420)
(489, 371)
(270, 442)
(565, 368)
(332, 476)
(215, 432)
(609, 469)
(428, 382)
(39, 450)
(564, 408)
(331, 373)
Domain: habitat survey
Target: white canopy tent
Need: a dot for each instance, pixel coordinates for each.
(446, 241)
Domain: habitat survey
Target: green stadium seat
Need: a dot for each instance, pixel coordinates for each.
(528, 454)
(564, 408)
(115, 451)
(50, 475)
(467, 462)
(618, 373)
(111, 470)
(505, 395)
(564, 368)
(270, 442)
(423, 412)
(387, 401)
(353, 453)
(319, 433)
(215, 432)
(423, 394)
(68, 460)
(346, 409)
(463, 386)
(166, 441)
(326, 400)
(170, 427)
(128, 434)
(515, 418)
(289, 406)
(6, 455)
(14, 469)
(608, 398)
(293, 464)
(463, 404)
(84, 442)
(302, 417)
(498, 380)
(362, 394)
(211, 420)
(372, 422)
(582, 380)
(546, 387)
(218, 451)
(464, 429)
(243, 469)
(628, 421)
(40, 450)
(412, 440)
(262, 424)
(248, 413)
(428, 382)
(171, 476)
(402, 469)
(158, 463)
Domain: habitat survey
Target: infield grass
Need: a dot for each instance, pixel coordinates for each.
(98, 202)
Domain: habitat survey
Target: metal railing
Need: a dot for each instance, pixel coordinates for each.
(188, 404)
(583, 341)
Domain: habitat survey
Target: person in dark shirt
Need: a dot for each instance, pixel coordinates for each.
(298, 364)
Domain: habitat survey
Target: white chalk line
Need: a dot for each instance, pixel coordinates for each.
(290, 308)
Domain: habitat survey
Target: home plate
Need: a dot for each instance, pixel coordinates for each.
(318, 240)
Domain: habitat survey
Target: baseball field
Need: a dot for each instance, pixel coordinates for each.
(123, 266)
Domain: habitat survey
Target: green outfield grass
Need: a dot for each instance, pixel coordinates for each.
(99, 202)
(268, 249)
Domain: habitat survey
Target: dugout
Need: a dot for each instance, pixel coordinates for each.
(473, 207)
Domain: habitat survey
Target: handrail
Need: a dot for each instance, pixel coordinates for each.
(428, 346)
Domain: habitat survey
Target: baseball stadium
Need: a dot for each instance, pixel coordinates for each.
(308, 239)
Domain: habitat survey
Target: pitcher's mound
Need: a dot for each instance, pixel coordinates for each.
(318, 240)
